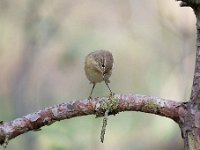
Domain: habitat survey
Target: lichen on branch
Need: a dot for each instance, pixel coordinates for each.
(119, 103)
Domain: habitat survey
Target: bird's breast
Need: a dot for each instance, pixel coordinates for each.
(93, 75)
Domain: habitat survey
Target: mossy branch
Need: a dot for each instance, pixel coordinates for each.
(119, 103)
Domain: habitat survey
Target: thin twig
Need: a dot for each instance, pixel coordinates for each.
(103, 130)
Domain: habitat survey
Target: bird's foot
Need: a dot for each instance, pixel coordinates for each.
(111, 95)
(90, 97)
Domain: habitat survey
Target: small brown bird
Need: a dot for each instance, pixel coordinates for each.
(98, 68)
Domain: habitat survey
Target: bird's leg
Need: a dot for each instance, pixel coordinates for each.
(90, 97)
(111, 93)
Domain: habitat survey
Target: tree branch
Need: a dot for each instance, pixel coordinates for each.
(49, 115)
(189, 3)
(195, 95)
(190, 122)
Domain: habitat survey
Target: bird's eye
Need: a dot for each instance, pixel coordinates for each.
(103, 65)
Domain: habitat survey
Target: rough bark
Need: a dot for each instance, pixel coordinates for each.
(190, 122)
(49, 115)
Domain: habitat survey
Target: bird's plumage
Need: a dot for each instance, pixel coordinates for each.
(98, 67)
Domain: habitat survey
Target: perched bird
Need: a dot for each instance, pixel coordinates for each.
(98, 68)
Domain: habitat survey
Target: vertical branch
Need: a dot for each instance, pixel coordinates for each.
(190, 122)
(195, 94)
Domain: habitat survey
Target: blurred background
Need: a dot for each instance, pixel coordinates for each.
(43, 45)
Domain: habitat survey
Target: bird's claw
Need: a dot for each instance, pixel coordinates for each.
(111, 94)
